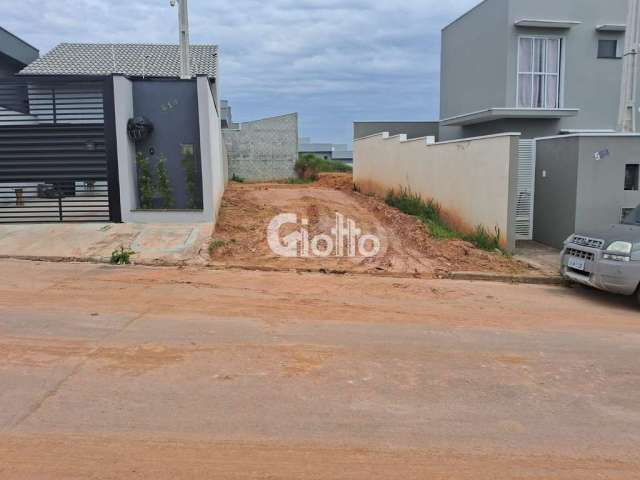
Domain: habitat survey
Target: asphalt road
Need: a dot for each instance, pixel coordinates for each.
(170, 373)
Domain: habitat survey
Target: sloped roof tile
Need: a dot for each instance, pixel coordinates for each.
(136, 60)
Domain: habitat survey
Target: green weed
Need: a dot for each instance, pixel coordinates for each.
(430, 214)
(121, 256)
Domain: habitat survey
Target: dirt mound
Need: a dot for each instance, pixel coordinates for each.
(449, 255)
(405, 244)
(339, 181)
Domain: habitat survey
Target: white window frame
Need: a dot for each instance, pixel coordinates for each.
(560, 74)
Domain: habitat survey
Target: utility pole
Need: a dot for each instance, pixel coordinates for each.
(628, 94)
(183, 25)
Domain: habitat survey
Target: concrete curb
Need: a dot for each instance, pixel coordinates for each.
(463, 276)
(323, 271)
(502, 278)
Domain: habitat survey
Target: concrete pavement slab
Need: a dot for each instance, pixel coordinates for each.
(153, 244)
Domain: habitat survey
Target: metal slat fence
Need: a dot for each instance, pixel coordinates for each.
(53, 163)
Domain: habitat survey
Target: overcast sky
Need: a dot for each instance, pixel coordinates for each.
(333, 61)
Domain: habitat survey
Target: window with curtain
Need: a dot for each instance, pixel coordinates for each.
(539, 72)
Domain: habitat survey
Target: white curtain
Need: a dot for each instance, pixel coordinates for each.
(553, 69)
(525, 67)
(552, 91)
(538, 72)
(553, 55)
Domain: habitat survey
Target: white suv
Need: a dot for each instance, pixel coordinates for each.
(608, 259)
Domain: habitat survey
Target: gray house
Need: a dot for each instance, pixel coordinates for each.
(584, 182)
(322, 150)
(412, 130)
(112, 132)
(15, 53)
(327, 151)
(543, 67)
(551, 70)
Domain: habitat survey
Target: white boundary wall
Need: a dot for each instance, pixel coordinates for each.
(474, 180)
(213, 153)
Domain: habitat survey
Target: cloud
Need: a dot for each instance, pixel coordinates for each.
(333, 61)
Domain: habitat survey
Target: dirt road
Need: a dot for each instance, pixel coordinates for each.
(405, 244)
(134, 372)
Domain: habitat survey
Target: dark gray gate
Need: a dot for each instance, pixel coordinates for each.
(54, 159)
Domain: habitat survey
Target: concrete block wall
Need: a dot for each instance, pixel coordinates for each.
(263, 149)
(473, 180)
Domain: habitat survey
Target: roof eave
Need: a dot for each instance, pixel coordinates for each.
(492, 114)
(542, 23)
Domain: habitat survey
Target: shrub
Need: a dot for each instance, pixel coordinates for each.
(309, 166)
(164, 184)
(334, 166)
(146, 189)
(188, 163)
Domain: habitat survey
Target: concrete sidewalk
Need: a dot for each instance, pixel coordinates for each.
(153, 244)
(544, 258)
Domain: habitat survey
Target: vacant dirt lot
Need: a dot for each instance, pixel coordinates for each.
(167, 373)
(406, 247)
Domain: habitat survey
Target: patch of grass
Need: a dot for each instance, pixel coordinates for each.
(413, 204)
(325, 166)
(440, 230)
(428, 212)
(237, 178)
(309, 166)
(299, 181)
(484, 240)
(215, 245)
(121, 256)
